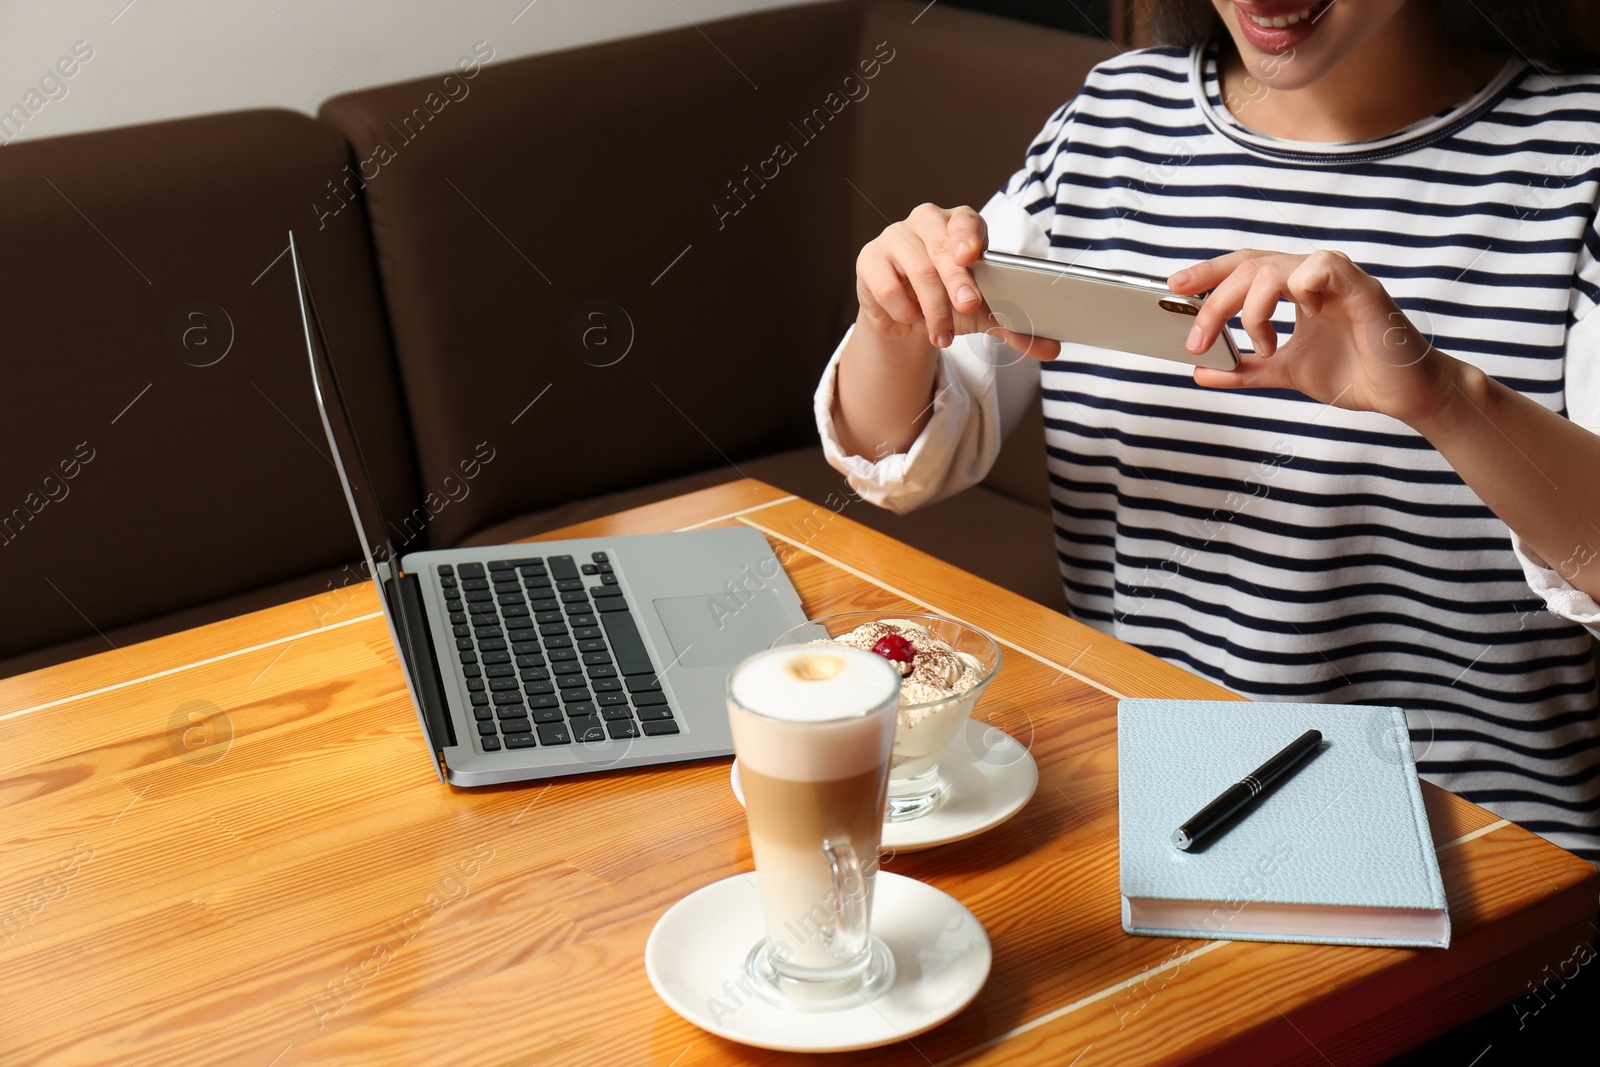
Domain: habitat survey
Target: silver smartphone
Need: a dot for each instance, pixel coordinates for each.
(1082, 305)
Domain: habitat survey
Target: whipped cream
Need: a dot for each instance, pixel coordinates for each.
(936, 671)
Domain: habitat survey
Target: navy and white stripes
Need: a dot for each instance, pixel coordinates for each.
(1281, 547)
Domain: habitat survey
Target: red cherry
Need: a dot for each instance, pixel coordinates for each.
(894, 647)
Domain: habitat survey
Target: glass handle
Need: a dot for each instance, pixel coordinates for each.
(848, 936)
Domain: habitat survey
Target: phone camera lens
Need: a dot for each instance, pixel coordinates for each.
(1179, 307)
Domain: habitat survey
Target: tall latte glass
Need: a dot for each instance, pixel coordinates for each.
(813, 729)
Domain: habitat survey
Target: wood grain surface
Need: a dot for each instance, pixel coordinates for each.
(229, 846)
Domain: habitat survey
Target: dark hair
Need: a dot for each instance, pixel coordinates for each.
(1546, 32)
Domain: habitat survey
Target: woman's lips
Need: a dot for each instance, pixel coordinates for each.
(1299, 22)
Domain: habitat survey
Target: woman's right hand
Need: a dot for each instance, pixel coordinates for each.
(913, 277)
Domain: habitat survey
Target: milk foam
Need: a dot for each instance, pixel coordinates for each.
(820, 699)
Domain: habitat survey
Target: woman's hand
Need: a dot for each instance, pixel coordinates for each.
(913, 277)
(1352, 345)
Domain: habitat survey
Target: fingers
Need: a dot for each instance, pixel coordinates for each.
(1255, 315)
(1250, 374)
(1042, 349)
(1208, 275)
(915, 272)
(1223, 304)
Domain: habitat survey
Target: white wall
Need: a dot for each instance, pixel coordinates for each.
(160, 59)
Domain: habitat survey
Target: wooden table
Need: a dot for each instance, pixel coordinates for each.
(228, 846)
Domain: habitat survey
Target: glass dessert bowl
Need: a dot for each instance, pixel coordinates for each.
(944, 665)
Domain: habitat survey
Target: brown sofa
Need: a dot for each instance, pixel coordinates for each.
(165, 462)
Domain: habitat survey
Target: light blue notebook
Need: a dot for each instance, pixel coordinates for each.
(1338, 851)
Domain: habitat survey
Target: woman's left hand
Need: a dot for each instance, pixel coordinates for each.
(1352, 346)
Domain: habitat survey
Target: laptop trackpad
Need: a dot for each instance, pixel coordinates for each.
(720, 629)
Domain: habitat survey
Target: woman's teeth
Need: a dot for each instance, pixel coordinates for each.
(1280, 21)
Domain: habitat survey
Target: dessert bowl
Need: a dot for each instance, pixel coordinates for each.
(941, 682)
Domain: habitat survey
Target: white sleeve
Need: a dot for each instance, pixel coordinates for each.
(982, 389)
(1583, 408)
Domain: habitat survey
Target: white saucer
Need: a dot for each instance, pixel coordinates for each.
(696, 953)
(991, 777)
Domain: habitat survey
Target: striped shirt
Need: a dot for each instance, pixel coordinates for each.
(1284, 548)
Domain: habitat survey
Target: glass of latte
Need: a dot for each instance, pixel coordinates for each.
(813, 728)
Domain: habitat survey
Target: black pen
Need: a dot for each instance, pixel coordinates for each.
(1236, 796)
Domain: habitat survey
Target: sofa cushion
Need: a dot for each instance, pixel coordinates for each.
(161, 440)
(589, 233)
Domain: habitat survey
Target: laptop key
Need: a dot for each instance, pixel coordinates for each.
(627, 644)
(471, 670)
(492, 644)
(654, 714)
(552, 629)
(543, 715)
(607, 685)
(559, 643)
(529, 659)
(478, 607)
(495, 657)
(502, 685)
(479, 698)
(611, 604)
(464, 643)
(507, 600)
(473, 581)
(512, 697)
(612, 711)
(570, 681)
(527, 741)
(513, 611)
(604, 590)
(534, 674)
(566, 667)
(596, 655)
(501, 564)
(490, 744)
(602, 670)
(587, 728)
(553, 733)
(445, 568)
(469, 657)
(486, 727)
(583, 621)
(605, 568)
(546, 604)
(572, 696)
(535, 688)
(516, 726)
(589, 568)
(480, 594)
(587, 633)
(542, 700)
(554, 615)
(457, 616)
(461, 631)
(612, 699)
(580, 709)
(659, 728)
(475, 685)
(643, 682)
(570, 585)
(483, 714)
(620, 728)
(499, 670)
(599, 557)
(523, 632)
(574, 596)
(641, 700)
(592, 644)
(609, 579)
(525, 648)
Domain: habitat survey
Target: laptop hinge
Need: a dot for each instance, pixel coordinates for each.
(425, 671)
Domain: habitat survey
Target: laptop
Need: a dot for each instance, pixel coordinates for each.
(530, 661)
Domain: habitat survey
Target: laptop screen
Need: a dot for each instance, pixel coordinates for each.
(360, 492)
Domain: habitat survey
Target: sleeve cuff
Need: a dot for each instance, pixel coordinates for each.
(1558, 594)
(899, 481)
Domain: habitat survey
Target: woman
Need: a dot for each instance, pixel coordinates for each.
(1330, 521)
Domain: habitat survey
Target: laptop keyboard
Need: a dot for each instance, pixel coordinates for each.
(551, 654)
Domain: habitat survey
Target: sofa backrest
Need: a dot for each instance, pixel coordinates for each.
(161, 443)
(615, 264)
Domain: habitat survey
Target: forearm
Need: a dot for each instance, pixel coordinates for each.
(1538, 471)
(885, 391)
